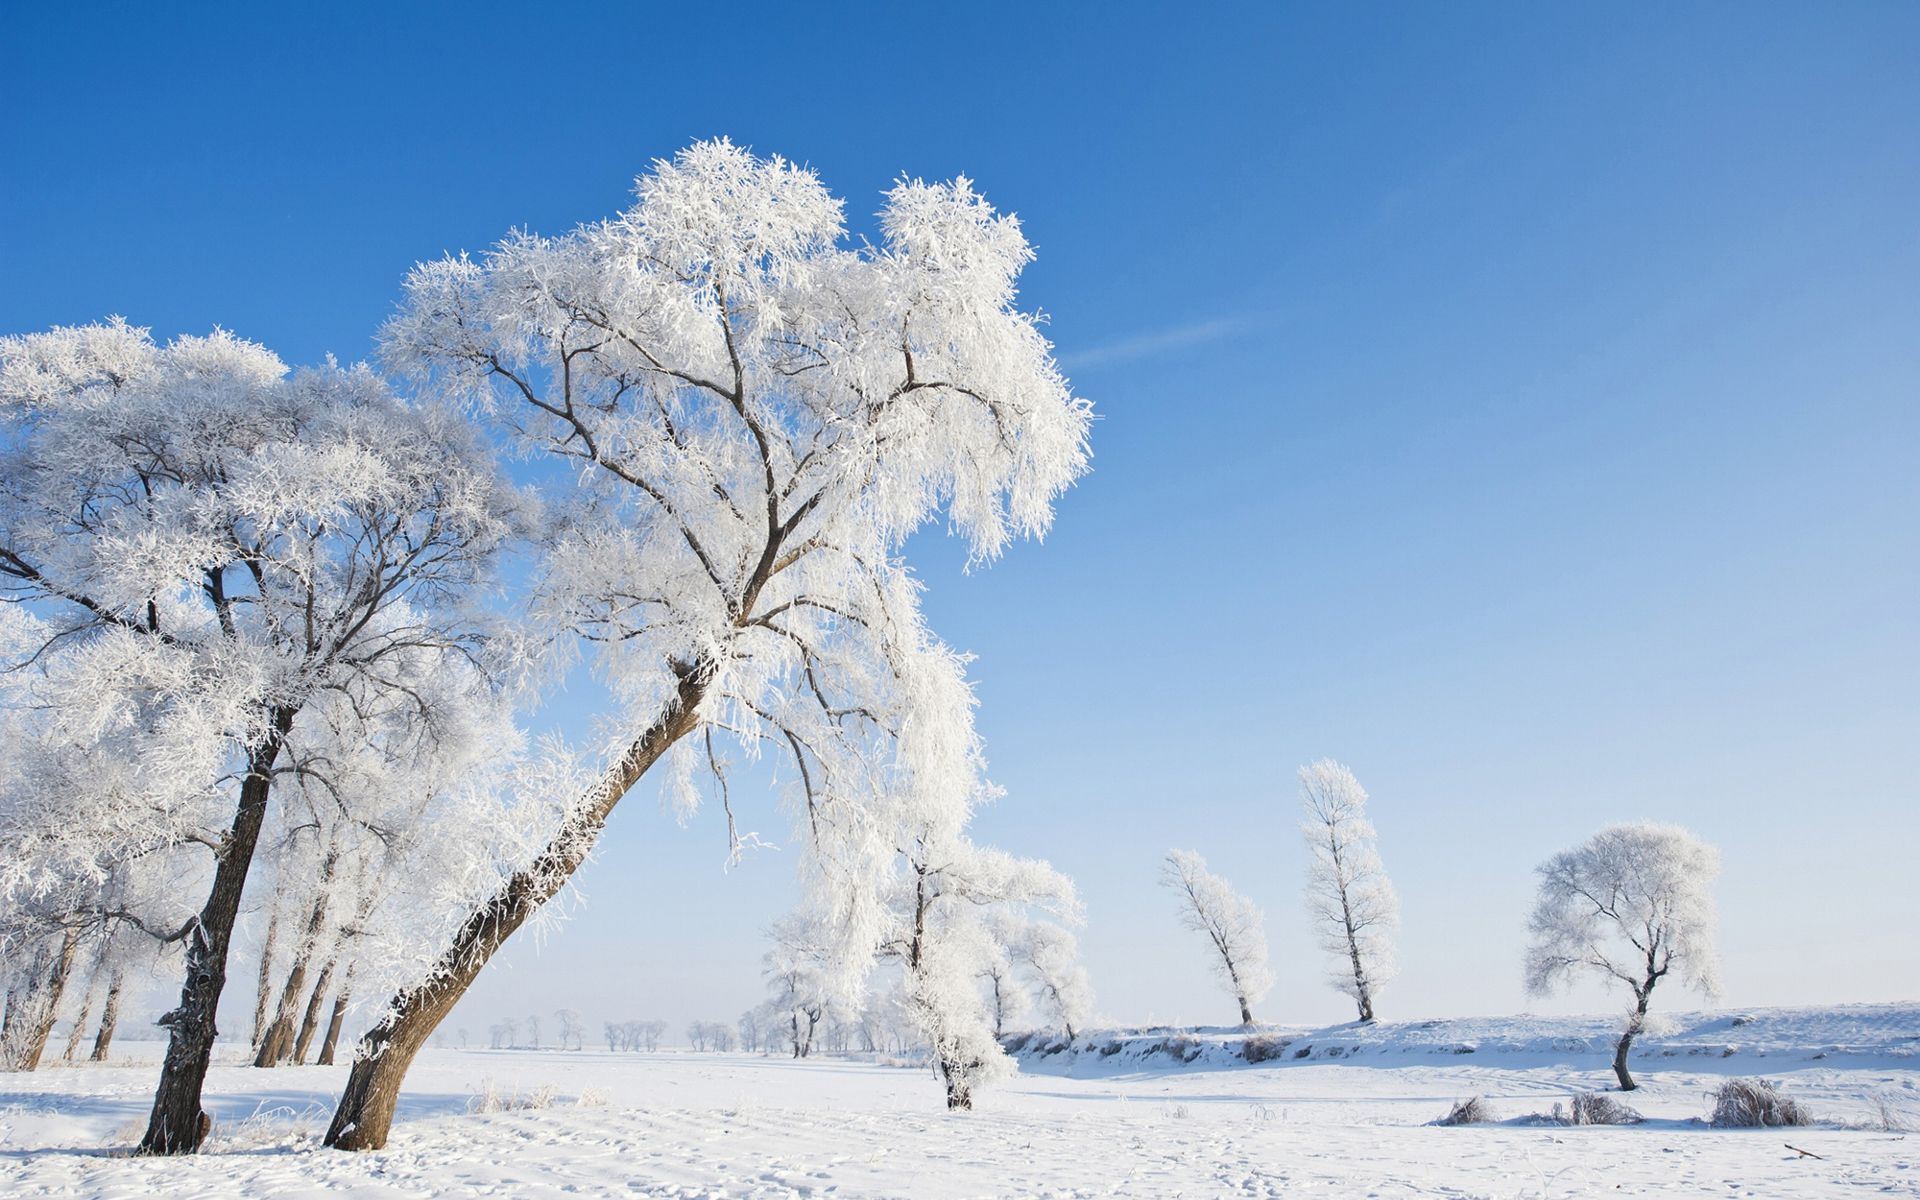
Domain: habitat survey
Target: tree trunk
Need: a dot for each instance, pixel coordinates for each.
(276, 1046)
(109, 1017)
(339, 1015)
(42, 1006)
(79, 1030)
(14, 988)
(177, 1124)
(1246, 1013)
(1636, 1021)
(365, 1114)
(278, 1040)
(22, 994)
(1362, 993)
(1620, 1062)
(265, 994)
(312, 1018)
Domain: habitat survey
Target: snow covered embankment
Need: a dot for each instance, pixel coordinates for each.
(1725, 1041)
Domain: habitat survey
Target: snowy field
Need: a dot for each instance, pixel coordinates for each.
(1132, 1113)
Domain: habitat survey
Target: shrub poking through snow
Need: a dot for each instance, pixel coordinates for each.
(1753, 1103)
(1472, 1111)
(1264, 1048)
(490, 1099)
(1598, 1108)
(1185, 1049)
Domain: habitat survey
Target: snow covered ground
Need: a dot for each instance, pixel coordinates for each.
(1165, 1113)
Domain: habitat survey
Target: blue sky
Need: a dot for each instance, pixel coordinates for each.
(1514, 402)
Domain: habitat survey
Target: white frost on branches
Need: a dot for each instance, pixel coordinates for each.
(752, 415)
(1630, 905)
(1233, 925)
(1350, 901)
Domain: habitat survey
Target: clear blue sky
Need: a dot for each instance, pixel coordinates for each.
(1515, 402)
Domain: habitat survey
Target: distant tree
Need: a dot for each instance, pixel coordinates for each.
(571, 1029)
(533, 1031)
(1007, 997)
(1350, 901)
(1051, 959)
(942, 910)
(749, 1027)
(799, 980)
(1233, 925)
(1631, 906)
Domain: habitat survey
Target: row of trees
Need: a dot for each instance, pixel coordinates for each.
(262, 618)
(1629, 907)
(1351, 904)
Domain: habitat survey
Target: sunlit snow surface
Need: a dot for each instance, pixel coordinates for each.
(1160, 1113)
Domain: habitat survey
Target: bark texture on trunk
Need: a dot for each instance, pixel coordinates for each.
(1362, 990)
(1636, 1021)
(32, 1013)
(1620, 1062)
(365, 1114)
(79, 1030)
(109, 1017)
(177, 1124)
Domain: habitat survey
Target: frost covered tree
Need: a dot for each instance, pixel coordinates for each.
(213, 543)
(945, 907)
(1007, 996)
(1047, 955)
(1233, 925)
(748, 417)
(800, 984)
(1350, 901)
(1630, 905)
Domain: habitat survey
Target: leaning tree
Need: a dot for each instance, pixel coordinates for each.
(1629, 905)
(749, 415)
(1234, 926)
(1350, 900)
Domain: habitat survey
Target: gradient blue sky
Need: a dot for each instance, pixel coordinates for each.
(1515, 402)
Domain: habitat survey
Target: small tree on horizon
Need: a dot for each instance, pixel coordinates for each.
(1232, 923)
(1629, 905)
(1350, 901)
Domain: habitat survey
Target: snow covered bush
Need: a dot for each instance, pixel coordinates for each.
(1598, 1108)
(1350, 902)
(1753, 1103)
(1472, 1111)
(1631, 906)
(1264, 1048)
